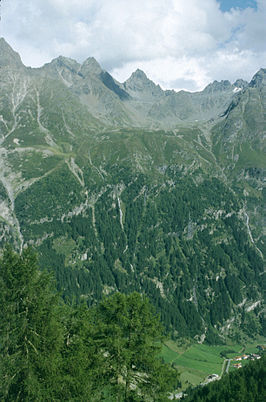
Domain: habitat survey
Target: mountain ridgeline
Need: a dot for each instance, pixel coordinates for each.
(126, 187)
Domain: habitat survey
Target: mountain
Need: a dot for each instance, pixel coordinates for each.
(239, 145)
(124, 186)
(8, 57)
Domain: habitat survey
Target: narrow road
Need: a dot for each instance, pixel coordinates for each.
(225, 367)
(228, 365)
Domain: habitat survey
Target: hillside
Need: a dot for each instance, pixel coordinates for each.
(124, 186)
(246, 384)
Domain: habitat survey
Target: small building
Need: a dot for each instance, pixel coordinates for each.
(238, 358)
(257, 357)
(237, 365)
(245, 357)
(212, 376)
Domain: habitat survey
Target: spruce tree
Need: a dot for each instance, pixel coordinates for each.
(30, 332)
(129, 336)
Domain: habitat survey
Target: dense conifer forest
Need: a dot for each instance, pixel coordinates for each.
(50, 351)
(53, 351)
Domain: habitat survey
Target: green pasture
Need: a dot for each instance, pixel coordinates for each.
(195, 361)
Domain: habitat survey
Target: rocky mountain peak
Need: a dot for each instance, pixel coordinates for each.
(139, 74)
(138, 79)
(240, 83)
(139, 82)
(8, 57)
(91, 66)
(61, 60)
(259, 79)
(67, 62)
(217, 86)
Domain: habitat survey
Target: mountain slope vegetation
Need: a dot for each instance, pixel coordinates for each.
(51, 351)
(126, 187)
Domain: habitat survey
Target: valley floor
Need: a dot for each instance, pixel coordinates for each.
(196, 362)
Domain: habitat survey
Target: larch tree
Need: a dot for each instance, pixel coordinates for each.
(130, 338)
(31, 335)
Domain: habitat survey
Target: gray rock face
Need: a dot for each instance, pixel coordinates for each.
(138, 85)
(259, 79)
(8, 57)
(218, 86)
(240, 83)
(90, 66)
(138, 101)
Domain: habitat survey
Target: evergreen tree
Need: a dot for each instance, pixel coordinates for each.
(83, 364)
(30, 332)
(129, 336)
(53, 352)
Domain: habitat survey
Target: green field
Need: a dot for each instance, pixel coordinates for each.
(195, 362)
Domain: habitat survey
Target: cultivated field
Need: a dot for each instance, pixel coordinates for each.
(195, 362)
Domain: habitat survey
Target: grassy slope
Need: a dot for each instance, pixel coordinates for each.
(195, 362)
